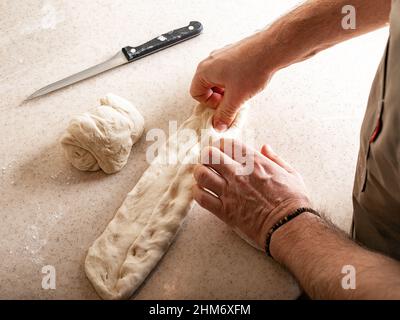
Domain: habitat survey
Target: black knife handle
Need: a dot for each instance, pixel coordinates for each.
(163, 41)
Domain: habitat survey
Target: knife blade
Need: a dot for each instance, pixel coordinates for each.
(126, 55)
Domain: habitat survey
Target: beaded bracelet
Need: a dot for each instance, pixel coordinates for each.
(281, 222)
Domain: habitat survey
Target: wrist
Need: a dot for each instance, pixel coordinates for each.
(275, 52)
(288, 238)
(286, 43)
(263, 54)
(284, 209)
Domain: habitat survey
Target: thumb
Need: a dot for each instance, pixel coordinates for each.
(226, 112)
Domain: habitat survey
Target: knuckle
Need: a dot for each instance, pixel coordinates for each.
(201, 199)
(227, 113)
(228, 110)
(241, 180)
(202, 174)
(213, 53)
(202, 64)
(192, 90)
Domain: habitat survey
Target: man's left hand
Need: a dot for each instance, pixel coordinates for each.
(252, 203)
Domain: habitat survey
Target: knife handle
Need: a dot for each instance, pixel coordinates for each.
(163, 41)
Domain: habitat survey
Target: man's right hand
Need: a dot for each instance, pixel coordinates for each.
(234, 74)
(230, 76)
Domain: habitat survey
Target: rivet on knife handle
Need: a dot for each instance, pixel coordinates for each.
(163, 41)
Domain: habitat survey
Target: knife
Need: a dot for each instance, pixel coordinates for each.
(127, 55)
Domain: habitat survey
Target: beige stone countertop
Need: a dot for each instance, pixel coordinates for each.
(50, 213)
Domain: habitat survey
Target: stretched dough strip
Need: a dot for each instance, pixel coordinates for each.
(150, 216)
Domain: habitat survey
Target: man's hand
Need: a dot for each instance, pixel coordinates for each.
(234, 74)
(229, 77)
(251, 203)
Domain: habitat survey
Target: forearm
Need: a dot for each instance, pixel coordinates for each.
(314, 26)
(316, 252)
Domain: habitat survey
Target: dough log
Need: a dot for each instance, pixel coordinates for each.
(150, 216)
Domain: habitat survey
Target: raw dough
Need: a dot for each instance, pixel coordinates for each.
(147, 221)
(103, 137)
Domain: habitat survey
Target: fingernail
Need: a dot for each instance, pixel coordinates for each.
(271, 151)
(220, 126)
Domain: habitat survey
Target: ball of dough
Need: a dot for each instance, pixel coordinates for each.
(102, 138)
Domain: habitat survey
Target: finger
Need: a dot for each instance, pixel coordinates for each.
(205, 92)
(242, 154)
(209, 179)
(232, 148)
(226, 112)
(268, 152)
(207, 200)
(219, 161)
(215, 99)
(221, 91)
